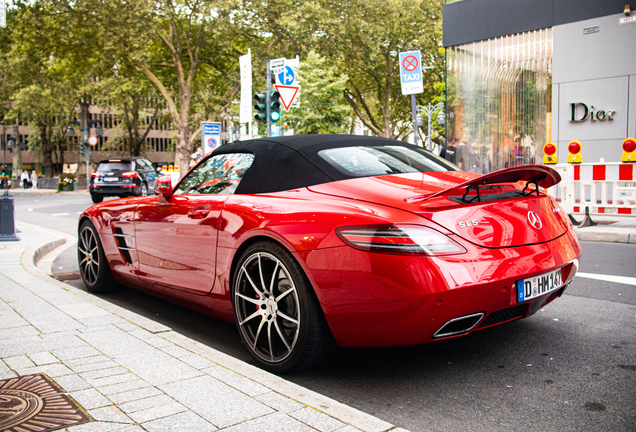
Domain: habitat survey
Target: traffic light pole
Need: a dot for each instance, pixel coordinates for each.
(267, 99)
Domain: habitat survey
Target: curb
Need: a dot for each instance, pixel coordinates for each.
(611, 237)
(331, 407)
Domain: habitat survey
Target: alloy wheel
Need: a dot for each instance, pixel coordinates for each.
(267, 307)
(89, 260)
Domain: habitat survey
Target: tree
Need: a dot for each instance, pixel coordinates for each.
(170, 42)
(132, 97)
(41, 92)
(365, 39)
(320, 108)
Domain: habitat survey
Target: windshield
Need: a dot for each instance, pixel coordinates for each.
(115, 166)
(382, 160)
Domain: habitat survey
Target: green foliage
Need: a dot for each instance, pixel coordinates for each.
(321, 108)
(182, 55)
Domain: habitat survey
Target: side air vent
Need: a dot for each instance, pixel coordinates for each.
(458, 326)
(120, 238)
(503, 315)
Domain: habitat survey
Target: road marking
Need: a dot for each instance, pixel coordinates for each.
(60, 214)
(609, 278)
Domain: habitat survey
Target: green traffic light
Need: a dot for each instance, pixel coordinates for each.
(275, 116)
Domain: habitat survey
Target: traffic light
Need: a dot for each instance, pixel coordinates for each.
(81, 148)
(260, 107)
(274, 104)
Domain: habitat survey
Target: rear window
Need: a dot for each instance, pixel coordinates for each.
(114, 166)
(381, 160)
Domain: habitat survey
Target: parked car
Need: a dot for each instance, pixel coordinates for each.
(122, 178)
(312, 242)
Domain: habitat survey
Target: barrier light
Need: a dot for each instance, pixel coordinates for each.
(549, 153)
(574, 148)
(629, 150)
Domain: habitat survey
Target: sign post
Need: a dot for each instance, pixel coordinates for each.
(210, 136)
(411, 80)
(245, 65)
(3, 14)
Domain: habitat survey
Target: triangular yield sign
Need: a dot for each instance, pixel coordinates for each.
(287, 94)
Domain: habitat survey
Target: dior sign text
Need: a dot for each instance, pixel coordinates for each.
(580, 113)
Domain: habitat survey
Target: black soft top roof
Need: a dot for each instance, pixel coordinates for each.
(292, 162)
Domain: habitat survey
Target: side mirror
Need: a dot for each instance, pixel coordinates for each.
(163, 186)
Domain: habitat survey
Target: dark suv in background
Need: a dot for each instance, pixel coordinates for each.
(122, 178)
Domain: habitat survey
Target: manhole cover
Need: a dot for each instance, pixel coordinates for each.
(36, 403)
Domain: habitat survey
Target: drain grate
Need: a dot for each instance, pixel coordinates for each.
(35, 403)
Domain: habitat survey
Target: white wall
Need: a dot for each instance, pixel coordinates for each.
(597, 69)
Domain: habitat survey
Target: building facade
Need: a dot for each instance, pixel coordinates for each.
(524, 73)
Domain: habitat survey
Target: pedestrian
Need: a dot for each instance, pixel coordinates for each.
(24, 179)
(34, 180)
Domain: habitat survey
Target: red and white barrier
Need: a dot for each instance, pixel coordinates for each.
(606, 188)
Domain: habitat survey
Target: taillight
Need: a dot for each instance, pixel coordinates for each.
(131, 174)
(93, 175)
(412, 239)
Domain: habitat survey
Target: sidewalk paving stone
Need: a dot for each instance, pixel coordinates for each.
(43, 358)
(157, 412)
(317, 420)
(183, 422)
(132, 395)
(278, 402)
(72, 383)
(109, 414)
(19, 362)
(157, 367)
(90, 398)
(124, 387)
(215, 401)
(145, 403)
(132, 374)
(276, 422)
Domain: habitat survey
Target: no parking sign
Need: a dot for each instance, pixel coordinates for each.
(210, 136)
(411, 72)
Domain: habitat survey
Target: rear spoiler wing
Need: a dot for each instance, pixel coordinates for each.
(539, 175)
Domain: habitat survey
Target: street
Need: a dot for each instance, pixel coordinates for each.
(570, 367)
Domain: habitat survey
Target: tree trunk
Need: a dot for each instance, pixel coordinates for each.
(17, 166)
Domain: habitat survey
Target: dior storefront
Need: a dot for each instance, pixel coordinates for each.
(523, 73)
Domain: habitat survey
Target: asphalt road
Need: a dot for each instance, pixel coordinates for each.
(571, 367)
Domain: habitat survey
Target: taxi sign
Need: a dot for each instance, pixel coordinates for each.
(411, 72)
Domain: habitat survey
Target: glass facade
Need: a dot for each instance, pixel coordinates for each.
(499, 101)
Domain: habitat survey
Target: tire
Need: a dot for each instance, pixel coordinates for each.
(97, 198)
(143, 189)
(92, 261)
(280, 320)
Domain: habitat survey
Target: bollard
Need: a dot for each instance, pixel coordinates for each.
(7, 224)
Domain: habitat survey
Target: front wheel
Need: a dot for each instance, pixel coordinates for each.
(92, 261)
(276, 311)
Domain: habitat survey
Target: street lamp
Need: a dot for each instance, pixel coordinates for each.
(429, 110)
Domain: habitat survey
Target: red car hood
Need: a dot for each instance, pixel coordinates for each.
(509, 220)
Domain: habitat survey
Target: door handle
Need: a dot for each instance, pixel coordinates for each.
(198, 213)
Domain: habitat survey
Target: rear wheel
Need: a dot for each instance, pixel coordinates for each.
(92, 261)
(277, 313)
(97, 198)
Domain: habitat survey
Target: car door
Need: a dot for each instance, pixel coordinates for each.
(177, 236)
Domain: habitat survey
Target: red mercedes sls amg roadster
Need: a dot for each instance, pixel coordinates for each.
(312, 242)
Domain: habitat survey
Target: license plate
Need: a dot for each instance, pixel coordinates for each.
(110, 179)
(537, 286)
